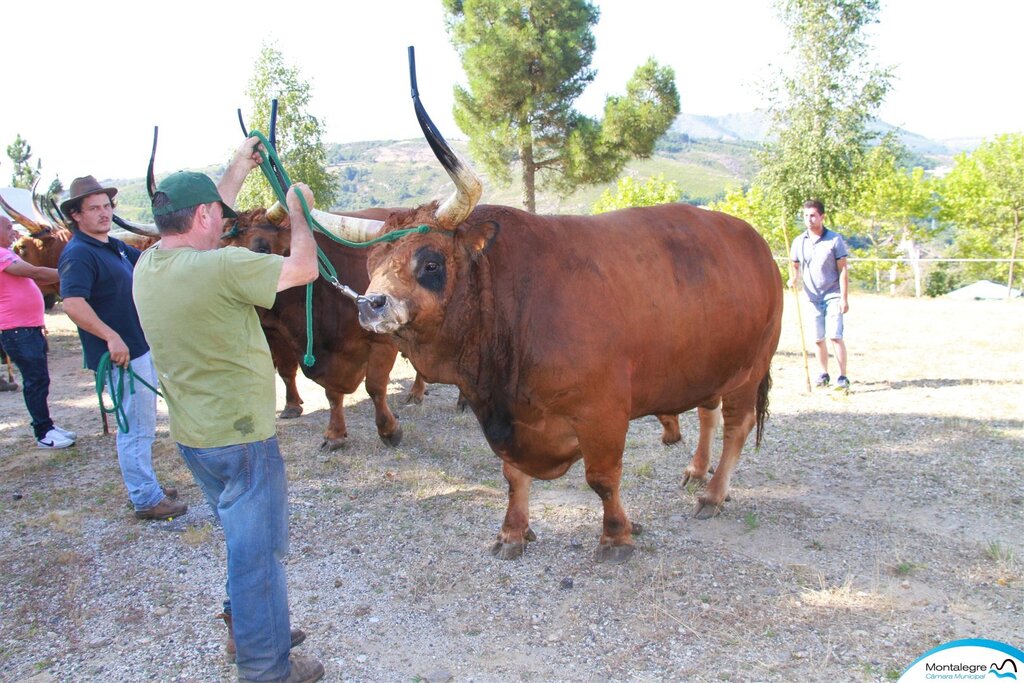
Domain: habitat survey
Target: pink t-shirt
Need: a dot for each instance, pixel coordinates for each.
(21, 302)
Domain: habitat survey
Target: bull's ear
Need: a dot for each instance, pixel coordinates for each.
(478, 238)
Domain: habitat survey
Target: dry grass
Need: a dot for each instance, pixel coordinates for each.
(869, 527)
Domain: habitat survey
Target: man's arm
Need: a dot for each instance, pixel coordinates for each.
(844, 282)
(246, 158)
(300, 265)
(794, 273)
(42, 275)
(83, 315)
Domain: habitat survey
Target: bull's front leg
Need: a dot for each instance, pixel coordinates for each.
(337, 431)
(515, 530)
(378, 373)
(670, 429)
(292, 400)
(602, 446)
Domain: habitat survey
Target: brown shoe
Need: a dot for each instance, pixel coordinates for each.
(297, 634)
(305, 669)
(165, 509)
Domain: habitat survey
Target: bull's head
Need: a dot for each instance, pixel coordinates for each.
(412, 279)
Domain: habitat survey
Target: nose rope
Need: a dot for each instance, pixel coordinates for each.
(280, 182)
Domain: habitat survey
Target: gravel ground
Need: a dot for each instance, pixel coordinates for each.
(868, 528)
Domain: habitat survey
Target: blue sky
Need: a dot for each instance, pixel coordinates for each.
(85, 83)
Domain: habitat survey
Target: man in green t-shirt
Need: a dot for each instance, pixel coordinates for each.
(196, 304)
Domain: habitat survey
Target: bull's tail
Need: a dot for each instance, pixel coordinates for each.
(762, 412)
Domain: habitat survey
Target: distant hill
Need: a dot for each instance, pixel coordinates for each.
(753, 127)
(706, 156)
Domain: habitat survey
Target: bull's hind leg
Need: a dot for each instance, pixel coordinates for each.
(515, 530)
(739, 416)
(709, 416)
(670, 429)
(378, 373)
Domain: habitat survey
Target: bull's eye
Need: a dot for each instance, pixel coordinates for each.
(430, 270)
(261, 246)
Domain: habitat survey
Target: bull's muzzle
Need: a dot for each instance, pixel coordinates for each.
(377, 313)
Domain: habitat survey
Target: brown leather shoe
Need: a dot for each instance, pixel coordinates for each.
(297, 634)
(305, 669)
(165, 509)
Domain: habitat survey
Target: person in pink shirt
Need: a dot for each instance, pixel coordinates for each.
(21, 334)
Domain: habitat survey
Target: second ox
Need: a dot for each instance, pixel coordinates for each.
(559, 330)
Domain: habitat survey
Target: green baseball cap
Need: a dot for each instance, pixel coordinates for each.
(186, 189)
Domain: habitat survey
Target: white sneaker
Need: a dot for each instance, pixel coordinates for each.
(55, 439)
(67, 433)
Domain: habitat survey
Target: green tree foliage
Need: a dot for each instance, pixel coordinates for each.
(819, 112)
(984, 197)
(891, 206)
(298, 135)
(20, 152)
(527, 61)
(756, 208)
(629, 192)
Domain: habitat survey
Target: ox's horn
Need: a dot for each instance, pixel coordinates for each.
(346, 227)
(468, 187)
(144, 229)
(150, 177)
(38, 201)
(32, 226)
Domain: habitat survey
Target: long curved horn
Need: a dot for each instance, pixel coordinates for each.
(150, 177)
(144, 229)
(54, 213)
(38, 202)
(32, 226)
(345, 227)
(468, 186)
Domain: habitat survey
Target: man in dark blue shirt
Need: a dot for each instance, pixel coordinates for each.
(96, 285)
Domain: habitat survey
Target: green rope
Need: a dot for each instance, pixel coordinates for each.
(105, 378)
(324, 266)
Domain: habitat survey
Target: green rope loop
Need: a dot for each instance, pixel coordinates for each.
(324, 266)
(105, 379)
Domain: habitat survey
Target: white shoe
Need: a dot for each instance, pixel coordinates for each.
(55, 439)
(67, 433)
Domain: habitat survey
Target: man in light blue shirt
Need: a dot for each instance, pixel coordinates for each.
(818, 259)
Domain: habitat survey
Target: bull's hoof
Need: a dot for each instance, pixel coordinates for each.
(507, 551)
(669, 439)
(394, 438)
(614, 554)
(290, 412)
(706, 509)
(329, 445)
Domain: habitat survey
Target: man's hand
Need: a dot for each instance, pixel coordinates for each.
(294, 205)
(248, 156)
(119, 354)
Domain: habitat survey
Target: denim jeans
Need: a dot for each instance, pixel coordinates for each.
(828, 318)
(245, 486)
(27, 348)
(135, 448)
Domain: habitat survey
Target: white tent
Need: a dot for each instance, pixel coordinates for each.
(982, 289)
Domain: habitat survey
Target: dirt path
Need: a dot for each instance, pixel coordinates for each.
(868, 528)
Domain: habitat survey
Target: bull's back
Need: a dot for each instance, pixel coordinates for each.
(668, 303)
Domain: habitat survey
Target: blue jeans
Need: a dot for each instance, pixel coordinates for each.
(135, 448)
(245, 486)
(27, 348)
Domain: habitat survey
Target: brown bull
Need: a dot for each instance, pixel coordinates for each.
(345, 353)
(43, 249)
(559, 330)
